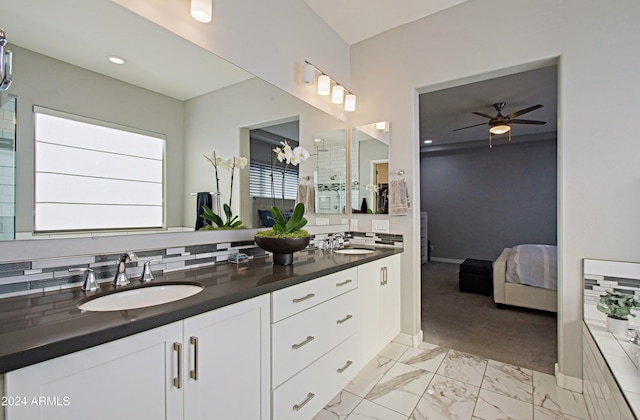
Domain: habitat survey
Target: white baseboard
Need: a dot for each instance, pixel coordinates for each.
(447, 260)
(568, 382)
(409, 340)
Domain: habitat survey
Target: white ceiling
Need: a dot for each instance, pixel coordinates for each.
(356, 20)
(156, 58)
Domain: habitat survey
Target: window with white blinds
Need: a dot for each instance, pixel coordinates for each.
(260, 181)
(93, 175)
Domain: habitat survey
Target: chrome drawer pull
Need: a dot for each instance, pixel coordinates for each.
(345, 367)
(309, 296)
(177, 382)
(310, 396)
(194, 372)
(343, 320)
(344, 283)
(307, 341)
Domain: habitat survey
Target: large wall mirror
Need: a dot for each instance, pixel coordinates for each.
(370, 168)
(198, 102)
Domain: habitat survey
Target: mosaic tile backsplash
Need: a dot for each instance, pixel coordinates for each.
(44, 275)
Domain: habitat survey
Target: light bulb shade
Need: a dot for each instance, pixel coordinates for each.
(337, 96)
(308, 74)
(201, 10)
(324, 85)
(499, 129)
(350, 102)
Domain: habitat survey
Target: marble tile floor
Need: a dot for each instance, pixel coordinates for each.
(432, 382)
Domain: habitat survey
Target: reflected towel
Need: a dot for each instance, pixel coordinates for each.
(398, 198)
(202, 199)
(307, 196)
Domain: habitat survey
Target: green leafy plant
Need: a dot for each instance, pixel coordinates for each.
(231, 221)
(618, 305)
(283, 228)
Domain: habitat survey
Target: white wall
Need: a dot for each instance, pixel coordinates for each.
(598, 148)
(270, 39)
(220, 120)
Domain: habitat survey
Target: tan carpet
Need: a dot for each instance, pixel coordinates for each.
(472, 323)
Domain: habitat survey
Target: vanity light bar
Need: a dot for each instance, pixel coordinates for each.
(339, 93)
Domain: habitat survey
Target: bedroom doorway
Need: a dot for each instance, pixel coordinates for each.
(483, 193)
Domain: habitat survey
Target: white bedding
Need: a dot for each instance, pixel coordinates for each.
(533, 265)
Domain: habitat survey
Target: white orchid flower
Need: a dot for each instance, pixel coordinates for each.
(301, 153)
(240, 162)
(288, 153)
(225, 163)
(374, 188)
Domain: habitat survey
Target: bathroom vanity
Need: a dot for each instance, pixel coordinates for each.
(611, 364)
(260, 341)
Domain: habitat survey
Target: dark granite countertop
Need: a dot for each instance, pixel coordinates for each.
(39, 327)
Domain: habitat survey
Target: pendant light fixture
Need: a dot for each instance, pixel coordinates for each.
(202, 10)
(499, 129)
(337, 95)
(324, 87)
(350, 102)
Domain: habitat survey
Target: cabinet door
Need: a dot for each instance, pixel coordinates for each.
(130, 378)
(389, 301)
(368, 284)
(227, 362)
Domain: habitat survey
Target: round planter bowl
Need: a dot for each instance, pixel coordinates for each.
(282, 248)
(618, 327)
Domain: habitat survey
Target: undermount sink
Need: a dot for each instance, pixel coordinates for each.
(141, 297)
(353, 251)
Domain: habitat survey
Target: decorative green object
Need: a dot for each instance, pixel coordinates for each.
(285, 237)
(286, 229)
(618, 305)
(232, 221)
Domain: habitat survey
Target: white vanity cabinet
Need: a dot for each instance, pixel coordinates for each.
(126, 378)
(314, 347)
(379, 294)
(212, 365)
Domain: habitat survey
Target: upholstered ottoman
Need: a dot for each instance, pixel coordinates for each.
(476, 276)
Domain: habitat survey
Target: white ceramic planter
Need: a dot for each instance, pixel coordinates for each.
(617, 327)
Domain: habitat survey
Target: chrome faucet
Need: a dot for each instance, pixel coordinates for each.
(635, 337)
(335, 240)
(147, 275)
(121, 278)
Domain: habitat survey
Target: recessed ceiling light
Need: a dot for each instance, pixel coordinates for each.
(428, 141)
(115, 59)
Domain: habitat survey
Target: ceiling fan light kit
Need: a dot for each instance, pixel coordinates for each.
(501, 124)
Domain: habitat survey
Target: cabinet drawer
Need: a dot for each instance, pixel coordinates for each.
(304, 395)
(294, 299)
(298, 341)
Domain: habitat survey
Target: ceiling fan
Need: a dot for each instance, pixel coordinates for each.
(500, 123)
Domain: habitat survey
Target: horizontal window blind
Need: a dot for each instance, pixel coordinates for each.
(94, 175)
(260, 181)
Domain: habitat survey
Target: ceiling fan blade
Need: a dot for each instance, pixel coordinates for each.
(475, 125)
(524, 111)
(484, 115)
(527, 122)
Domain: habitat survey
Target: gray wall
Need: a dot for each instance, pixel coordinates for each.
(41, 80)
(482, 200)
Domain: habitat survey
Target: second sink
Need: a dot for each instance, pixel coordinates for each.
(141, 297)
(353, 251)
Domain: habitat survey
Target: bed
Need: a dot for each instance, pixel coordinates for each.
(526, 276)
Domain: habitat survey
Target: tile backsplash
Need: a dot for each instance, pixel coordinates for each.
(24, 277)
